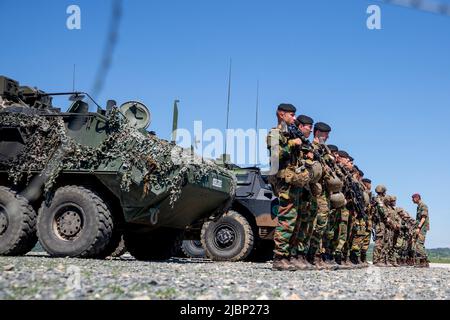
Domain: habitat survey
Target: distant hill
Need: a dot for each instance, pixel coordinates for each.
(441, 255)
(437, 255)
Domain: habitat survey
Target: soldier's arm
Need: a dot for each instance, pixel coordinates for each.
(424, 215)
(380, 210)
(280, 146)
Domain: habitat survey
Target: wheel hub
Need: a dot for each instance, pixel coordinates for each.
(3, 221)
(69, 224)
(225, 237)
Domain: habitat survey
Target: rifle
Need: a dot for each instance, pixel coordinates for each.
(353, 190)
(293, 132)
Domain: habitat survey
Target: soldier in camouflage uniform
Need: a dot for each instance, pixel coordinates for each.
(420, 233)
(369, 226)
(411, 251)
(360, 223)
(379, 220)
(403, 238)
(321, 197)
(304, 225)
(392, 231)
(330, 239)
(343, 217)
(281, 148)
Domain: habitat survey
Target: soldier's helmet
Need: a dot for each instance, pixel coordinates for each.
(387, 199)
(380, 189)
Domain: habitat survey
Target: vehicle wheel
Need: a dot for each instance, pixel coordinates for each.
(76, 223)
(228, 239)
(160, 244)
(17, 224)
(193, 249)
(113, 247)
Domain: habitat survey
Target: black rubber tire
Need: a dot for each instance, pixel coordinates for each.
(239, 248)
(159, 244)
(19, 234)
(96, 229)
(193, 249)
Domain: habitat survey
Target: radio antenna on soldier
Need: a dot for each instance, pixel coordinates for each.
(228, 111)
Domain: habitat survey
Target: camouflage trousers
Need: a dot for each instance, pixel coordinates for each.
(284, 236)
(367, 236)
(358, 234)
(421, 253)
(328, 240)
(349, 241)
(341, 231)
(389, 244)
(307, 213)
(320, 226)
(401, 247)
(378, 252)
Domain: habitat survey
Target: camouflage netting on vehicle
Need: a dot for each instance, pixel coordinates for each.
(49, 150)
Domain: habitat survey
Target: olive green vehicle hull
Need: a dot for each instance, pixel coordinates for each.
(198, 199)
(81, 181)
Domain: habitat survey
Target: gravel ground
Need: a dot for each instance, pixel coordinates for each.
(36, 276)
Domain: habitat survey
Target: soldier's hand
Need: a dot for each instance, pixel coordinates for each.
(310, 155)
(297, 142)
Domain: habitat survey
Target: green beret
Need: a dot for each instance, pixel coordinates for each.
(287, 107)
(321, 126)
(305, 120)
(333, 148)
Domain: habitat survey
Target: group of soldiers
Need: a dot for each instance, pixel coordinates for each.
(327, 213)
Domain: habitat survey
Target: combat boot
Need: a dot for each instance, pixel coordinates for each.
(381, 263)
(423, 263)
(354, 260)
(312, 259)
(340, 264)
(410, 262)
(281, 263)
(393, 263)
(301, 264)
(329, 261)
(363, 259)
(347, 264)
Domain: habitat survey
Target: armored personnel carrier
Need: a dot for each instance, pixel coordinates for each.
(78, 181)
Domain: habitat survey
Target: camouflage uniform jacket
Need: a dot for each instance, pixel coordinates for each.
(422, 212)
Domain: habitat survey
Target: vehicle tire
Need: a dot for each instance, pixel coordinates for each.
(114, 247)
(76, 223)
(228, 239)
(193, 249)
(17, 224)
(160, 244)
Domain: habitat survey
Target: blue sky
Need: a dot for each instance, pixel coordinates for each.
(386, 93)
